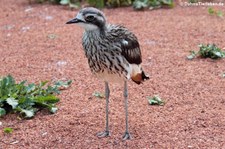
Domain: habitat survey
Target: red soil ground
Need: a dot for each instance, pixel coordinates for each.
(194, 91)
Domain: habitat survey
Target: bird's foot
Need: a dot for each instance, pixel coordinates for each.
(126, 136)
(105, 133)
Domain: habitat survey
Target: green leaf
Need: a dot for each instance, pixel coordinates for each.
(28, 113)
(52, 36)
(2, 112)
(46, 99)
(64, 2)
(26, 102)
(155, 100)
(218, 54)
(27, 99)
(96, 3)
(211, 11)
(53, 109)
(62, 84)
(43, 83)
(52, 90)
(12, 102)
(219, 13)
(140, 4)
(9, 80)
(30, 88)
(192, 1)
(168, 2)
(192, 55)
(74, 5)
(98, 95)
(8, 130)
(208, 51)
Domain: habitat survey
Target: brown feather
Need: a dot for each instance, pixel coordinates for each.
(131, 51)
(139, 78)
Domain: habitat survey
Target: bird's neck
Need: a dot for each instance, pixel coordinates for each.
(96, 33)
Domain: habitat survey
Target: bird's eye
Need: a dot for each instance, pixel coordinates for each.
(89, 18)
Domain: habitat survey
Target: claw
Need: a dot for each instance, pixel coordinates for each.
(103, 134)
(126, 136)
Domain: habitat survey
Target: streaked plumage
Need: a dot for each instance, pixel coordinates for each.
(112, 51)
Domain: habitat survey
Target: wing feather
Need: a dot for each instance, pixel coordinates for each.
(131, 51)
(128, 43)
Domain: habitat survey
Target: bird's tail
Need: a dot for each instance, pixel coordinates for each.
(139, 77)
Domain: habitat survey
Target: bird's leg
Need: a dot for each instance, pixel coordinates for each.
(106, 132)
(127, 134)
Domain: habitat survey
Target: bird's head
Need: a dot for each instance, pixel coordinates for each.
(89, 18)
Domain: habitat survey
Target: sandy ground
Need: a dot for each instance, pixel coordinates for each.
(36, 45)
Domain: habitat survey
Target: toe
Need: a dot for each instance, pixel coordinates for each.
(103, 134)
(126, 136)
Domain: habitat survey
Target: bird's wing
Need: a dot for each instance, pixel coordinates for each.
(131, 50)
(128, 43)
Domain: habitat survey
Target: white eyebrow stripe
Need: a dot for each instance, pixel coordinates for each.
(80, 17)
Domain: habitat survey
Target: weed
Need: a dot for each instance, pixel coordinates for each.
(141, 4)
(72, 3)
(8, 130)
(118, 3)
(155, 100)
(193, 1)
(152, 4)
(98, 95)
(52, 36)
(212, 11)
(96, 3)
(207, 51)
(137, 4)
(27, 99)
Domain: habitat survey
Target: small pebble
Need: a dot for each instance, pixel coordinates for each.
(44, 134)
(14, 142)
(48, 17)
(25, 28)
(28, 9)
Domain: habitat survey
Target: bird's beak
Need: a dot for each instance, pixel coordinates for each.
(78, 19)
(75, 20)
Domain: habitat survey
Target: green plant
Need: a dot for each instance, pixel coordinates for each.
(155, 100)
(137, 4)
(212, 11)
(96, 3)
(207, 51)
(42, 1)
(193, 1)
(118, 3)
(7, 130)
(71, 3)
(27, 99)
(52, 36)
(98, 95)
(152, 4)
(140, 4)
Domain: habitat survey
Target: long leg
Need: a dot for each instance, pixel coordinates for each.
(106, 132)
(127, 134)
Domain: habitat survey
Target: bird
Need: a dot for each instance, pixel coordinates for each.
(113, 54)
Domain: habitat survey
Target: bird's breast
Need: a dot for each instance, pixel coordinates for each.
(107, 66)
(105, 60)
